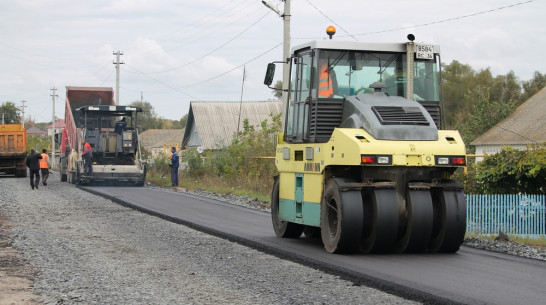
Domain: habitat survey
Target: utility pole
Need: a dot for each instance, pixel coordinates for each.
(23, 110)
(53, 125)
(286, 58)
(3, 118)
(117, 63)
(285, 53)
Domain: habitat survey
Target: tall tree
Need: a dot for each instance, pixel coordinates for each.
(457, 79)
(11, 113)
(148, 118)
(534, 85)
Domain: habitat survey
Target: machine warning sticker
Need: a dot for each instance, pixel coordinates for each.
(311, 167)
(423, 51)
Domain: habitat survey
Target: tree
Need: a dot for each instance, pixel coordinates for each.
(277, 93)
(180, 123)
(147, 119)
(484, 114)
(11, 113)
(534, 85)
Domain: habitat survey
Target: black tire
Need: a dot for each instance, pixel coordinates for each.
(341, 216)
(64, 177)
(282, 228)
(449, 219)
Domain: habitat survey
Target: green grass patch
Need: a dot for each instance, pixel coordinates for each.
(214, 185)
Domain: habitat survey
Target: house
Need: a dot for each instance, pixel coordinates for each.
(527, 125)
(212, 125)
(155, 141)
(59, 125)
(36, 132)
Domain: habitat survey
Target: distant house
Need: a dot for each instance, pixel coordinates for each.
(527, 125)
(155, 141)
(35, 131)
(59, 125)
(212, 125)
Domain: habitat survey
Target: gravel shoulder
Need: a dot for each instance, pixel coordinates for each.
(80, 248)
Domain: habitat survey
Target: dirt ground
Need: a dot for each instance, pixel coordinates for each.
(16, 276)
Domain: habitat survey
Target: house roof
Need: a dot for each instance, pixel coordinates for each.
(527, 125)
(35, 130)
(157, 137)
(216, 122)
(58, 124)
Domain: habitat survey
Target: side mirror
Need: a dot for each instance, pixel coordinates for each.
(269, 74)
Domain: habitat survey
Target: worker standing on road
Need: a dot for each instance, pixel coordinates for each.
(87, 159)
(174, 166)
(44, 166)
(33, 164)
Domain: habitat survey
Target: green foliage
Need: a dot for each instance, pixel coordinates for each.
(39, 143)
(159, 164)
(147, 119)
(11, 113)
(245, 162)
(277, 93)
(485, 113)
(511, 171)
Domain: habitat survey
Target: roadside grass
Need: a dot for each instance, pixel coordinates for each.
(210, 184)
(535, 242)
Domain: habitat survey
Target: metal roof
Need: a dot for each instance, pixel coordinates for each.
(527, 125)
(216, 122)
(157, 137)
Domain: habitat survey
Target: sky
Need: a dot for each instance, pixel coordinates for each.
(175, 52)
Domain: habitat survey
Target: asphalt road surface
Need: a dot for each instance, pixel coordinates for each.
(470, 277)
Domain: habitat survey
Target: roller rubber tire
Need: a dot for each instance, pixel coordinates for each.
(381, 221)
(282, 228)
(449, 220)
(341, 219)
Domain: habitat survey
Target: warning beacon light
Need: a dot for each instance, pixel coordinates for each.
(330, 30)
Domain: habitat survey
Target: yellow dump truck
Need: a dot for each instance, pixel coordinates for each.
(13, 149)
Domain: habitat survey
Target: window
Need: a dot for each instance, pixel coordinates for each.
(298, 111)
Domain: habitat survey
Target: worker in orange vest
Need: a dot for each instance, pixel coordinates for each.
(87, 155)
(44, 166)
(325, 88)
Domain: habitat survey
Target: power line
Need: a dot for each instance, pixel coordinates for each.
(215, 49)
(337, 25)
(438, 21)
(239, 66)
(505, 129)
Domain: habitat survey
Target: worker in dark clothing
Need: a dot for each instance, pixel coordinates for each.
(33, 164)
(87, 156)
(174, 167)
(121, 125)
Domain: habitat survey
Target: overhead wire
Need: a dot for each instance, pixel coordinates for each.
(438, 21)
(337, 25)
(215, 49)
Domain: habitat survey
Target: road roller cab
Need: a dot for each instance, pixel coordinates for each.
(364, 161)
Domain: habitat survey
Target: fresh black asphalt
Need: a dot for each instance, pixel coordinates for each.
(470, 276)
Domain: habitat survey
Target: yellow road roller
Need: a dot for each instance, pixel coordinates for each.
(364, 161)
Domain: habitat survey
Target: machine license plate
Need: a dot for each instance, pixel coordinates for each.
(423, 51)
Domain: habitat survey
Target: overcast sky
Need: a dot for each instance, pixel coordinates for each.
(181, 51)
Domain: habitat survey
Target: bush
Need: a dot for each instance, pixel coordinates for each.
(244, 163)
(511, 171)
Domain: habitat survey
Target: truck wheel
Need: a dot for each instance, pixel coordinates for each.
(64, 177)
(282, 228)
(341, 216)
